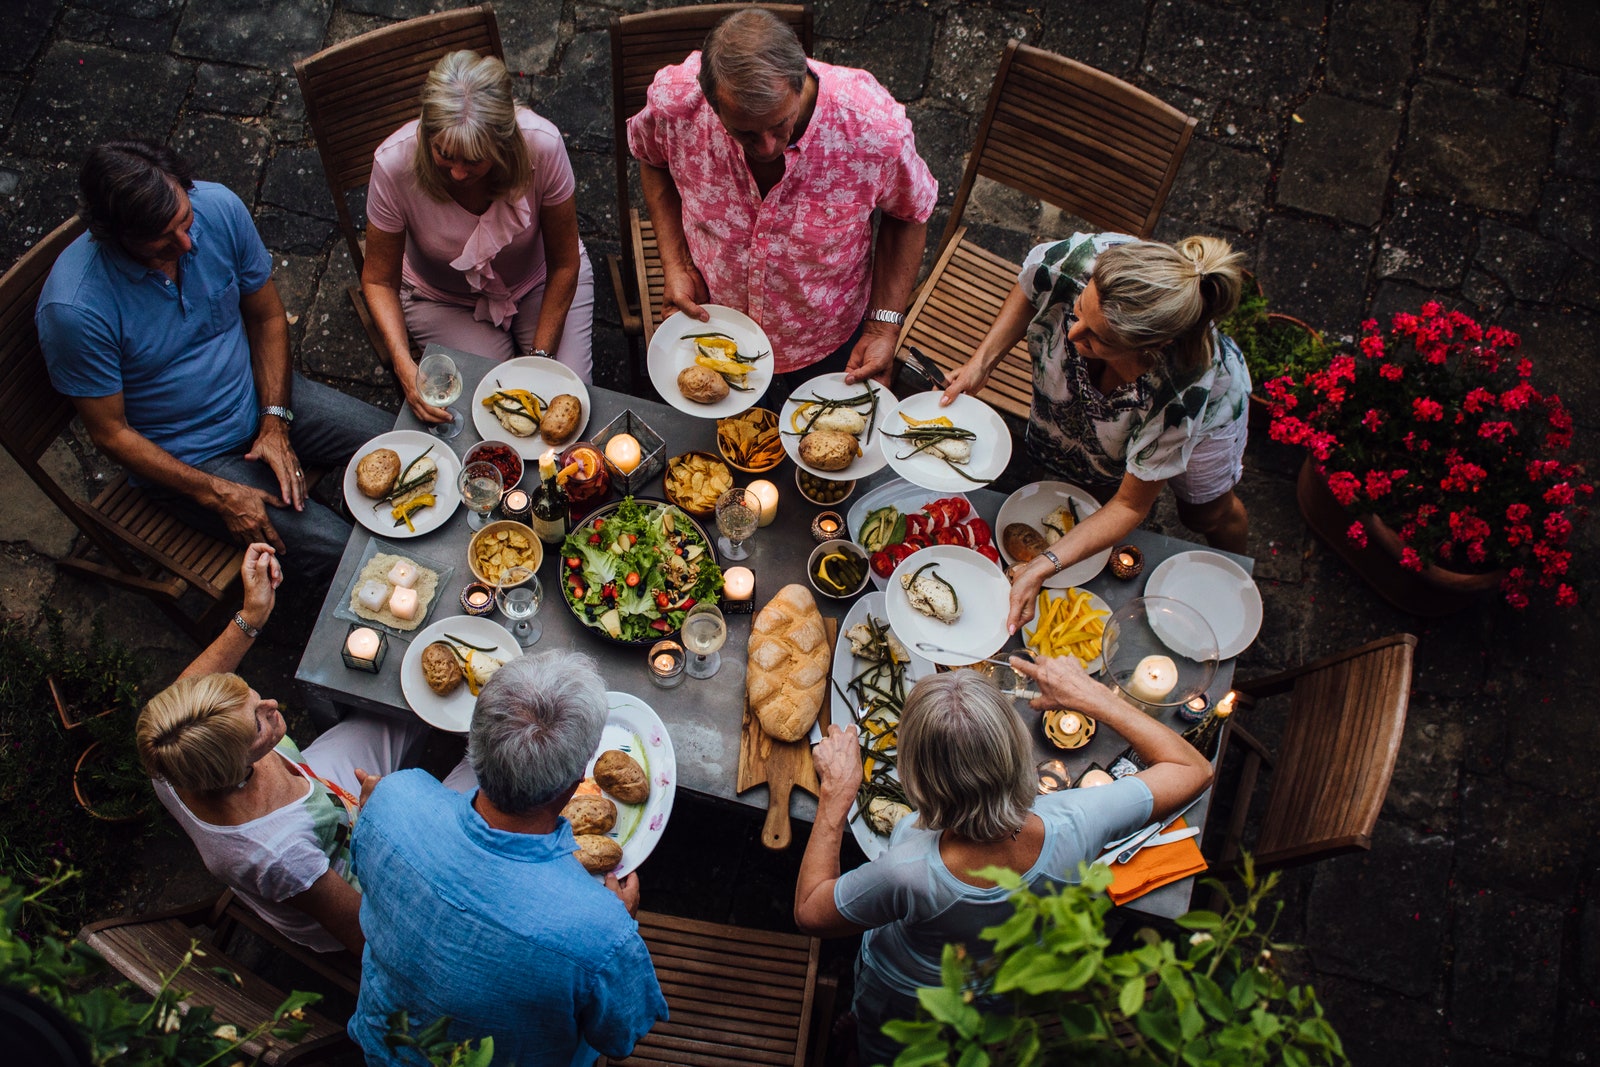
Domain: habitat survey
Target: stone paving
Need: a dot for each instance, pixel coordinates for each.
(1368, 154)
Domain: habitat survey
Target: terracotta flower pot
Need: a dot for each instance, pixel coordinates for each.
(1432, 593)
(84, 788)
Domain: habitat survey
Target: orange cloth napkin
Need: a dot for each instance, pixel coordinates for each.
(1155, 866)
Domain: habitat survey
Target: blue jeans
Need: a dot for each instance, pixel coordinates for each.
(328, 428)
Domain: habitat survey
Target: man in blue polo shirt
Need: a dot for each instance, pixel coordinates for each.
(163, 325)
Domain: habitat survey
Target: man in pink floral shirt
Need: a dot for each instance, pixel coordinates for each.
(762, 170)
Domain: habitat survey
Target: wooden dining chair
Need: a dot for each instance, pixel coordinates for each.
(736, 996)
(640, 46)
(1070, 135)
(148, 949)
(360, 91)
(1342, 734)
(129, 539)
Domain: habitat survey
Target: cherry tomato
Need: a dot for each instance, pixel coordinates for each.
(633, 539)
(575, 563)
(632, 579)
(594, 539)
(599, 524)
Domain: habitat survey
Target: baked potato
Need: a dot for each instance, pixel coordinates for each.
(376, 472)
(1022, 542)
(598, 854)
(702, 385)
(561, 418)
(620, 775)
(829, 450)
(441, 669)
(590, 815)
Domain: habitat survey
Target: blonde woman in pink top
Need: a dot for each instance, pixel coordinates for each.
(472, 230)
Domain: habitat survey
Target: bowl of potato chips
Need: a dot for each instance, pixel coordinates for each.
(694, 480)
(750, 440)
(505, 553)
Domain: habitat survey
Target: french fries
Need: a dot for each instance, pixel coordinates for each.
(695, 481)
(751, 440)
(1068, 624)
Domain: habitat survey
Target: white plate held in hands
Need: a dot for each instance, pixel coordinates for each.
(671, 350)
(991, 450)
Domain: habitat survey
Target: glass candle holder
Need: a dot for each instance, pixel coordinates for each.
(364, 648)
(477, 599)
(1053, 776)
(1127, 562)
(1195, 709)
(666, 663)
(738, 591)
(827, 526)
(516, 505)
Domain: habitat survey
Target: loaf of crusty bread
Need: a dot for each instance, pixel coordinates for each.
(787, 676)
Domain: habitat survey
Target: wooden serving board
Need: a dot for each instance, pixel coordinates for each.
(782, 765)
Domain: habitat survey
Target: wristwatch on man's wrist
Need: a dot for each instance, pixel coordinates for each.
(893, 318)
(279, 410)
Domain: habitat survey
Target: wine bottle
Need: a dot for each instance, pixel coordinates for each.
(548, 511)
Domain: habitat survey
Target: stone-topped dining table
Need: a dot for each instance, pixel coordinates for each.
(703, 716)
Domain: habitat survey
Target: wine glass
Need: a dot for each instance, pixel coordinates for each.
(481, 485)
(704, 632)
(520, 604)
(738, 512)
(439, 382)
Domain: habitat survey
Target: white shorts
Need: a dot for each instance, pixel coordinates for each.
(1215, 465)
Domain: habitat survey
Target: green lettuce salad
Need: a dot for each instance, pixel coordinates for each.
(633, 573)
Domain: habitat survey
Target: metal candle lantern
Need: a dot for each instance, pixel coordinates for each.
(361, 638)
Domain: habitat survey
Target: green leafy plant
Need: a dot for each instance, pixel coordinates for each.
(1054, 992)
(121, 1025)
(433, 1041)
(1273, 345)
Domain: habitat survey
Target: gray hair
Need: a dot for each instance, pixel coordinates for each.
(536, 723)
(753, 54)
(1154, 295)
(965, 758)
(469, 110)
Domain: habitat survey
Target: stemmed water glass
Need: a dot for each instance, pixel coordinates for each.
(520, 605)
(481, 485)
(704, 632)
(738, 512)
(439, 382)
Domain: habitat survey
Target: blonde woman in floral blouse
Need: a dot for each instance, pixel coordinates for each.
(1133, 387)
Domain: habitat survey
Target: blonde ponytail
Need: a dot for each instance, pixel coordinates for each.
(1155, 295)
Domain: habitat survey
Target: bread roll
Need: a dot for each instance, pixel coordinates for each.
(620, 775)
(598, 854)
(787, 677)
(590, 815)
(376, 472)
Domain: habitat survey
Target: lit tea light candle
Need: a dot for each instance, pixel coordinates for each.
(364, 649)
(767, 494)
(666, 663)
(362, 643)
(1195, 708)
(1053, 776)
(826, 526)
(738, 583)
(623, 452)
(372, 594)
(1094, 777)
(1127, 562)
(1153, 679)
(516, 504)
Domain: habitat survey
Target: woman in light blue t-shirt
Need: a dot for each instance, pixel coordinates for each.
(966, 762)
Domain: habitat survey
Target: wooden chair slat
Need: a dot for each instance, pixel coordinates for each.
(1341, 738)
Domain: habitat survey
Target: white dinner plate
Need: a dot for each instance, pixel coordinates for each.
(454, 712)
(1030, 505)
(632, 726)
(833, 387)
(990, 452)
(983, 595)
(1094, 665)
(1218, 589)
(537, 375)
(898, 494)
(671, 351)
(408, 444)
(846, 667)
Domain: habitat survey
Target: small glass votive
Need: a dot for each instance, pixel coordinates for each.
(827, 526)
(738, 591)
(1127, 562)
(666, 663)
(516, 504)
(1053, 776)
(477, 599)
(364, 649)
(1194, 709)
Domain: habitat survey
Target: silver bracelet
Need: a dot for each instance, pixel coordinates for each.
(541, 353)
(249, 631)
(893, 318)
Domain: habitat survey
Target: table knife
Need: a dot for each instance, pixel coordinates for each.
(1143, 836)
